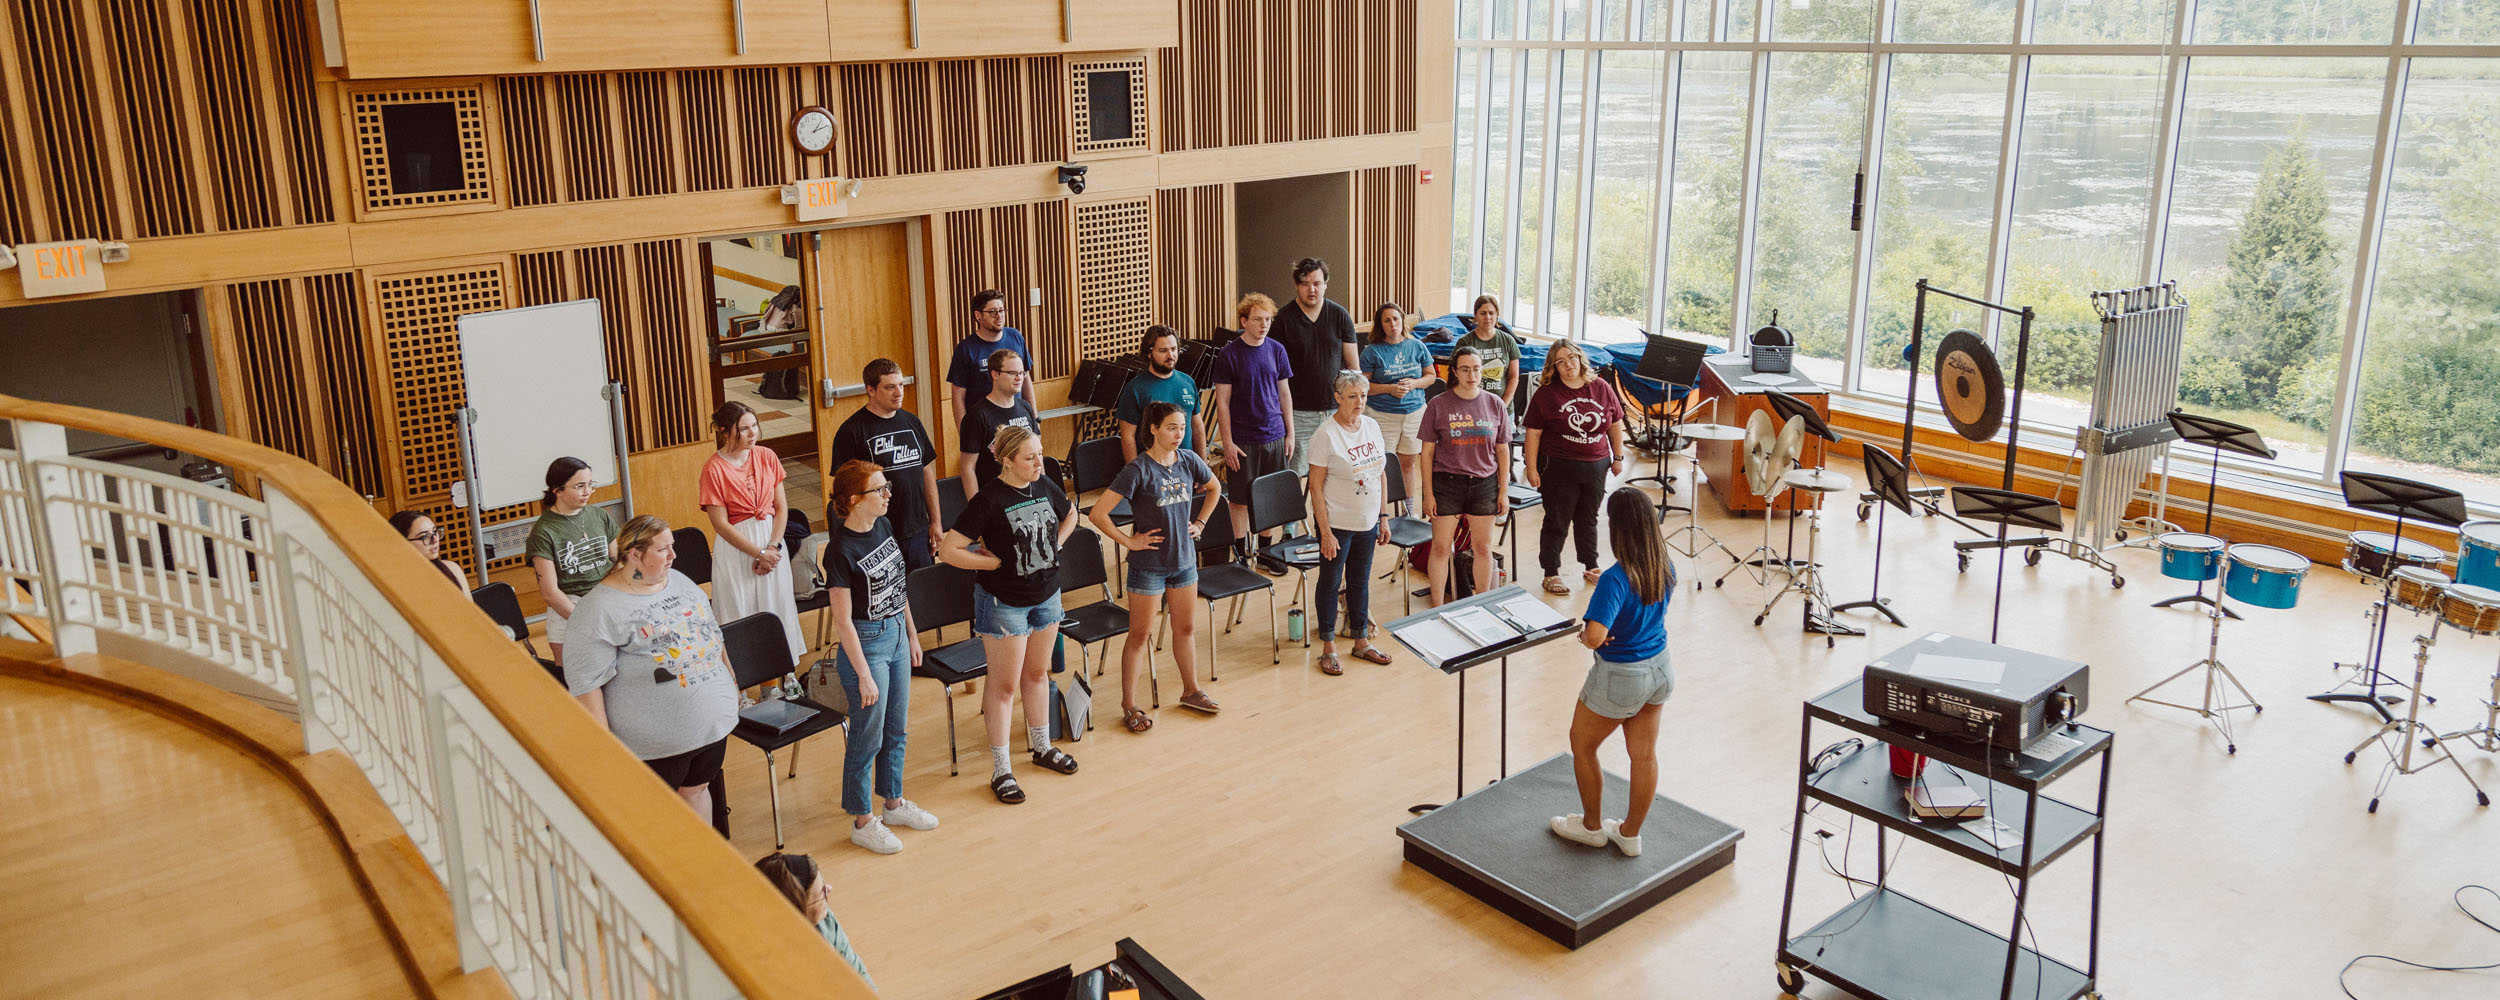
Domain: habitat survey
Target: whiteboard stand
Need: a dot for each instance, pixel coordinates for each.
(465, 417)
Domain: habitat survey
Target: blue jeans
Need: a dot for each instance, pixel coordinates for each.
(1353, 566)
(1152, 583)
(996, 619)
(877, 731)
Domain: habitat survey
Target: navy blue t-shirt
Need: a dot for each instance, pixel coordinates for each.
(969, 370)
(1634, 631)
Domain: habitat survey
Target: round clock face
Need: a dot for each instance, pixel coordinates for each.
(813, 130)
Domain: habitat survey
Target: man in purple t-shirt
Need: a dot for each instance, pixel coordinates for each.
(1252, 394)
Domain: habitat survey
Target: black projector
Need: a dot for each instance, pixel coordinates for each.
(1975, 691)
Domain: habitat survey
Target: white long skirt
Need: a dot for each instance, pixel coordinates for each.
(737, 592)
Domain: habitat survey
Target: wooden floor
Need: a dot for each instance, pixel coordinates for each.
(1255, 852)
(139, 857)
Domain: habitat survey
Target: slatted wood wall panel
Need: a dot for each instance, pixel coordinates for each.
(1045, 109)
(642, 102)
(1192, 229)
(862, 112)
(1259, 71)
(959, 144)
(1013, 248)
(1007, 138)
(55, 56)
(234, 114)
(301, 119)
(529, 162)
(333, 310)
(1114, 290)
(417, 315)
(268, 348)
(585, 135)
(306, 382)
(649, 308)
(915, 131)
(767, 98)
(1383, 217)
(152, 113)
(925, 116)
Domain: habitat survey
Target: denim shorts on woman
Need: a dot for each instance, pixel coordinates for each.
(1150, 582)
(992, 620)
(1621, 690)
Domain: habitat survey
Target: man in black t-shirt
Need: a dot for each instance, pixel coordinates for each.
(1003, 407)
(1318, 335)
(890, 436)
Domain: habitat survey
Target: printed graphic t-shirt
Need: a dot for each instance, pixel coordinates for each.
(1019, 525)
(1468, 436)
(982, 419)
(899, 444)
(577, 544)
(1163, 496)
(1356, 461)
(1408, 358)
(870, 565)
(1574, 422)
(1177, 389)
(624, 643)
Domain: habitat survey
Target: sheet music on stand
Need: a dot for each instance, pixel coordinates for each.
(1456, 636)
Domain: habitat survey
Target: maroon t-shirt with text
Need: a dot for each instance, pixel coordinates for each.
(1575, 423)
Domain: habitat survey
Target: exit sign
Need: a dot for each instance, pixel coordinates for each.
(821, 198)
(45, 269)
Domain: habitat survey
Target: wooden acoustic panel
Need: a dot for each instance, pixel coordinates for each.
(301, 377)
(1014, 248)
(1383, 240)
(417, 316)
(372, 151)
(1114, 297)
(1248, 72)
(1131, 72)
(1191, 241)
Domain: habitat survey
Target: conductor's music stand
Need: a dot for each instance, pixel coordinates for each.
(1807, 580)
(2221, 436)
(1674, 364)
(2006, 508)
(2402, 499)
(1888, 481)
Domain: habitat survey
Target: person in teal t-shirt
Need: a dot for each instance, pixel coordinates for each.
(1162, 383)
(1400, 370)
(801, 880)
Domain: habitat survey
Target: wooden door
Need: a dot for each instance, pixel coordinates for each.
(863, 301)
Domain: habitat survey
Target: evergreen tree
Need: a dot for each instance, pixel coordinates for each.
(2281, 294)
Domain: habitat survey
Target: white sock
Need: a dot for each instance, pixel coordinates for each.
(1037, 738)
(998, 762)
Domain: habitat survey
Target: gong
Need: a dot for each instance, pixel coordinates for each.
(1969, 386)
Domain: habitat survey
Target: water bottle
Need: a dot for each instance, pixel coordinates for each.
(1293, 625)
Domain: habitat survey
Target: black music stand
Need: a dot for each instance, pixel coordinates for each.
(1674, 364)
(2006, 508)
(2221, 436)
(2402, 499)
(1499, 651)
(1888, 481)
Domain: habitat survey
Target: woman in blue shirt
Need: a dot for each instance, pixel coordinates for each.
(1399, 368)
(1626, 625)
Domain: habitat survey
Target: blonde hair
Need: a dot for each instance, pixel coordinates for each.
(1554, 353)
(1010, 440)
(1251, 301)
(639, 533)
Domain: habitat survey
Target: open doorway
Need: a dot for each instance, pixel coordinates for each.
(136, 354)
(1284, 220)
(760, 336)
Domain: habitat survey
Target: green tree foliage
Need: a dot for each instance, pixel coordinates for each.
(2431, 384)
(2282, 292)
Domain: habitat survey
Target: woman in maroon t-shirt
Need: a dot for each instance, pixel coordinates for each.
(1575, 439)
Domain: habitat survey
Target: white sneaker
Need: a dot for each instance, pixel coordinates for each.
(909, 816)
(1570, 828)
(1630, 846)
(876, 837)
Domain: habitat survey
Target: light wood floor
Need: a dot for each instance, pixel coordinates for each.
(1255, 851)
(139, 857)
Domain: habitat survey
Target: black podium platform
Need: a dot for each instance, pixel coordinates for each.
(1494, 844)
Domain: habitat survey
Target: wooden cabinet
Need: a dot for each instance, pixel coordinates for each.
(1734, 401)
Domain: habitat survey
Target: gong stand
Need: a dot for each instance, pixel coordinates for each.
(1985, 429)
(1929, 499)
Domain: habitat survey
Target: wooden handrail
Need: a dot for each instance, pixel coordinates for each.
(754, 935)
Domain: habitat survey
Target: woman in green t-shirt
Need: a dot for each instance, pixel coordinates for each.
(571, 546)
(1499, 350)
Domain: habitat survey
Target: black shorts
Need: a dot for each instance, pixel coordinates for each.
(1256, 460)
(694, 768)
(1456, 493)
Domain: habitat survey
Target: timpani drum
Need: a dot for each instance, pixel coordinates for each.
(2263, 575)
(2186, 555)
(2478, 554)
(2469, 608)
(2417, 588)
(2378, 555)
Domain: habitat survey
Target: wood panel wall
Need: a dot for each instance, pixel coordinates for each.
(133, 119)
(1260, 71)
(1383, 268)
(1192, 259)
(297, 373)
(1016, 248)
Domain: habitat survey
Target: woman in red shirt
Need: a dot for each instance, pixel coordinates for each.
(741, 492)
(1575, 440)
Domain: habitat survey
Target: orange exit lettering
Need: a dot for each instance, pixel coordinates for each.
(58, 263)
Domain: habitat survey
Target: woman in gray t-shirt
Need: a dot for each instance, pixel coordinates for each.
(646, 659)
(1162, 552)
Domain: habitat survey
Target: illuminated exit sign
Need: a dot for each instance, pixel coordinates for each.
(46, 269)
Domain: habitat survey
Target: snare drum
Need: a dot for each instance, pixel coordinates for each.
(2263, 575)
(2478, 554)
(2186, 555)
(2470, 608)
(2378, 555)
(2417, 588)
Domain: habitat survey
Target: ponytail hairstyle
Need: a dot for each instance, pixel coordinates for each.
(725, 421)
(1009, 441)
(849, 482)
(639, 533)
(1385, 309)
(790, 873)
(1632, 527)
(1155, 413)
(559, 472)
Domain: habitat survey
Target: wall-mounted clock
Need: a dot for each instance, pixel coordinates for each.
(812, 130)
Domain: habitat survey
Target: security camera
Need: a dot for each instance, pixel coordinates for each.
(1073, 175)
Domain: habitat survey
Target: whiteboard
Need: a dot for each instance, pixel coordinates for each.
(536, 379)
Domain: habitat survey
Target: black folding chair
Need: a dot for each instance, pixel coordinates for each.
(941, 595)
(1093, 465)
(950, 502)
(1404, 533)
(759, 654)
(503, 606)
(694, 554)
(1080, 566)
(1276, 502)
(1231, 579)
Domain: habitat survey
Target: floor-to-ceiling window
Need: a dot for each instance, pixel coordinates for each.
(2317, 177)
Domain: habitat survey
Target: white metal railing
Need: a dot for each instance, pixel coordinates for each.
(262, 590)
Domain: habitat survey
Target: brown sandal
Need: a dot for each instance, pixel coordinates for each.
(1370, 654)
(1198, 701)
(1329, 665)
(1137, 720)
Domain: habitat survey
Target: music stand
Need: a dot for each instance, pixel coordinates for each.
(2006, 508)
(2221, 436)
(1888, 481)
(1674, 364)
(2402, 499)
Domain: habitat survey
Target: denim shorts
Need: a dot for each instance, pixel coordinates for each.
(993, 620)
(1621, 690)
(1152, 581)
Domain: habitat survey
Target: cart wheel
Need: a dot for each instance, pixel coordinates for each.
(2430, 699)
(2481, 798)
(2374, 806)
(1862, 512)
(2349, 756)
(1830, 643)
(2231, 748)
(1961, 562)
(2261, 709)
(2117, 582)
(1790, 979)
(2122, 534)
(2031, 557)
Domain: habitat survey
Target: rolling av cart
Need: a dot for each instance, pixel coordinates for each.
(1886, 944)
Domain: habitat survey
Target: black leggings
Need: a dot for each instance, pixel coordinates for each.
(1573, 492)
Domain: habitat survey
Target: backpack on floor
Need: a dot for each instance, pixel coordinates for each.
(1072, 710)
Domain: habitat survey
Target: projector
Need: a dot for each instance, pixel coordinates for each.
(1975, 691)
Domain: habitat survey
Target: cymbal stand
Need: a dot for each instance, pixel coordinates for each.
(1807, 582)
(2410, 729)
(2216, 676)
(1691, 539)
(2488, 736)
(1765, 560)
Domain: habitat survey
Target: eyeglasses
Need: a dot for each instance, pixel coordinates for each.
(425, 536)
(1007, 371)
(994, 311)
(886, 490)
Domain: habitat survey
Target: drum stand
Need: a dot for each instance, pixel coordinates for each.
(2219, 435)
(2488, 736)
(1691, 539)
(2216, 675)
(2410, 729)
(2401, 499)
(1807, 582)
